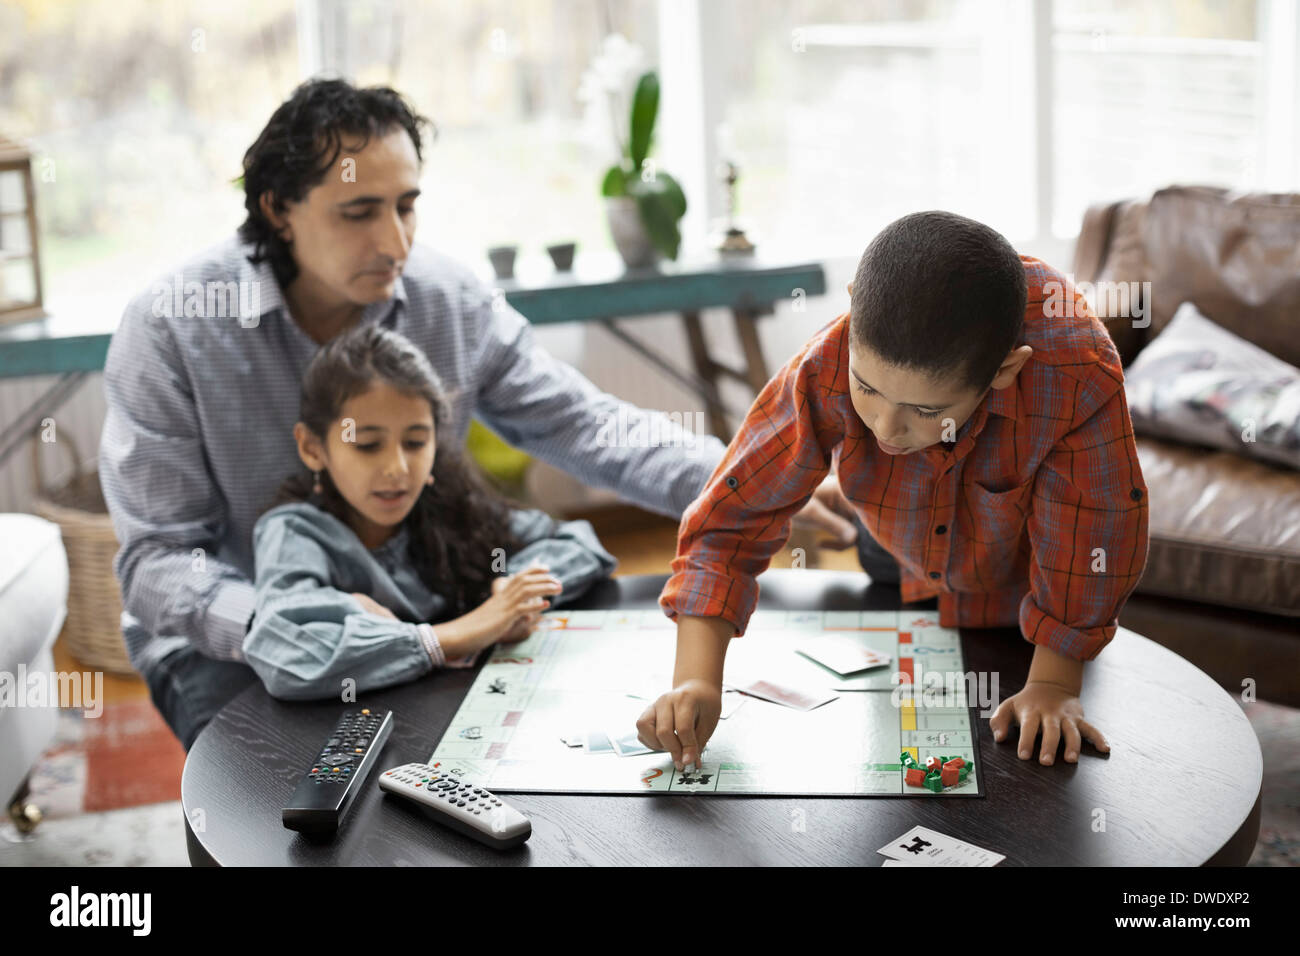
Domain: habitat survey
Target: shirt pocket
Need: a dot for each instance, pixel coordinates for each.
(996, 517)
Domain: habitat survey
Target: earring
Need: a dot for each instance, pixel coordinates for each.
(316, 488)
(429, 480)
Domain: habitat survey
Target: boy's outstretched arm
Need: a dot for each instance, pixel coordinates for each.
(728, 535)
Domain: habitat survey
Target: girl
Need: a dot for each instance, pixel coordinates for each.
(383, 563)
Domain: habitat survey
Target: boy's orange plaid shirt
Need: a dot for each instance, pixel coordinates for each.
(1035, 514)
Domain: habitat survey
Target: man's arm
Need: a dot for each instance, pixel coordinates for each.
(1088, 531)
(166, 511)
(550, 410)
(772, 467)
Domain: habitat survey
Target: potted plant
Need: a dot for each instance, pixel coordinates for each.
(643, 203)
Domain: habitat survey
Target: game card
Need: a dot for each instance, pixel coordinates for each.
(731, 702)
(627, 744)
(921, 846)
(844, 655)
(786, 696)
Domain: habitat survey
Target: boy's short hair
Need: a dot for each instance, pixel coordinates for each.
(941, 294)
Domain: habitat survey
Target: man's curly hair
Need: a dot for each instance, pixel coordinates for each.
(301, 143)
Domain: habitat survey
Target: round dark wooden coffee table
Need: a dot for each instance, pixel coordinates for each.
(1181, 785)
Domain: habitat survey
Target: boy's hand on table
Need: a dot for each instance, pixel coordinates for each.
(1054, 709)
(682, 721)
(829, 511)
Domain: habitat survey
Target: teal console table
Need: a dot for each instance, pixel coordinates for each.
(599, 290)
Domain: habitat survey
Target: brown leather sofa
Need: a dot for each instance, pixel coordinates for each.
(1222, 582)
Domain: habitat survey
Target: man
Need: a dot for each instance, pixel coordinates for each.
(202, 382)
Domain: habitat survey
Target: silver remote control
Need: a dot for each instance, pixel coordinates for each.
(459, 804)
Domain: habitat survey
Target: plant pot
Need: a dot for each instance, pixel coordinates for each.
(503, 261)
(562, 255)
(629, 233)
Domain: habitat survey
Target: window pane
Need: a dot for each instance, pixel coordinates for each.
(845, 115)
(1151, 94)
(138, 115)
(513, 162)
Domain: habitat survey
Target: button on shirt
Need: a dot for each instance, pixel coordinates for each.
(202, 380)
(1035, 514)
(309, 634)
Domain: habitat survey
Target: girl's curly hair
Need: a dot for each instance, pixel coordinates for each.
(459, 521)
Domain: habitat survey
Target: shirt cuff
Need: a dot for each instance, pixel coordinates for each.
(1082, 644)
(430, 641)
(229, 612)
(699, 593)
(468, 660)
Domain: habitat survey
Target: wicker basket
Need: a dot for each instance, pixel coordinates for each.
(93, 629)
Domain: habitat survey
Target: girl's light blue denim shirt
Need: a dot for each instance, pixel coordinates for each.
(310, 637)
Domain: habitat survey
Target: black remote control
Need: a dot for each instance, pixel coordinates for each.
(335, 778)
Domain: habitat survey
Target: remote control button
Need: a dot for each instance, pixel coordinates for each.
(366, 711)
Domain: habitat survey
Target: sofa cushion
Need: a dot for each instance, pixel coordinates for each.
(1236, 256)
(1224, 529)
(1200, 384)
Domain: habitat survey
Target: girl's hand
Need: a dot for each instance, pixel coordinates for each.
(371, 606)
(524, 625)
(1057, 711)
(509, 614)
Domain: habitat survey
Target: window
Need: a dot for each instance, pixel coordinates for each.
(138, 115)
(1151, 94)
(841, 114)
(844, 115)
(512, 163)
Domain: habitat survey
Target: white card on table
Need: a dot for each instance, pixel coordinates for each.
(921, 846)
(844, 655)
(731, 701)
(786, 695)
(627, 744)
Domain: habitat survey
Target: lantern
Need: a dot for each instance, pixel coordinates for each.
(20, 261)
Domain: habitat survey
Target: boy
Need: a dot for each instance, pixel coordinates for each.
(982, 441)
